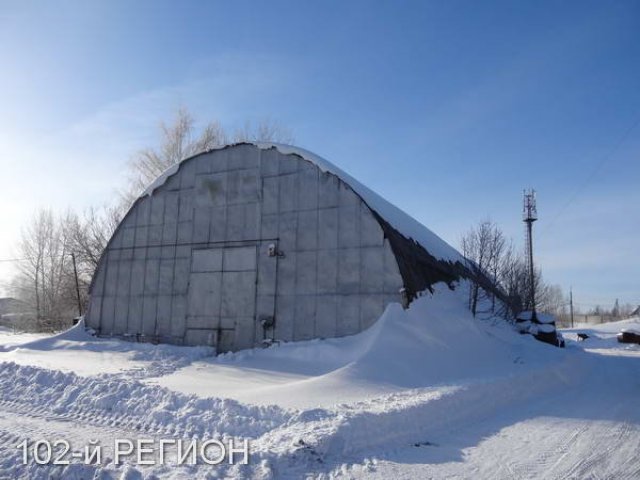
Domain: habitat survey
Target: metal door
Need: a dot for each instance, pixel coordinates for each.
(222, 298)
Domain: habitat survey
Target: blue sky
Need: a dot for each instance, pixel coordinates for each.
(448, 109)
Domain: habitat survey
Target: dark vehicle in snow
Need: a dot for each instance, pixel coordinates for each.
(629, 336)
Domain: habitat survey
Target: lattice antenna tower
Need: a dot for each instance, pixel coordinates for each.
(530, 215)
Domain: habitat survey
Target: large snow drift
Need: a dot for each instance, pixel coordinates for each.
(436, 341)
(410, 380)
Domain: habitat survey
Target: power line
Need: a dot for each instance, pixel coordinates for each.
(2, 260)
(594, 172)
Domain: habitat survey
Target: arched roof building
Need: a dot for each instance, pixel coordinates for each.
(256, 242)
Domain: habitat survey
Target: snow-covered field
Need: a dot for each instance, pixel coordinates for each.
(424, 393)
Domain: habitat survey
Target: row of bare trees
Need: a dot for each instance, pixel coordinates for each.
(46, 277)
(43, 274)
(615, 312)
(491, 255)
(45, 280)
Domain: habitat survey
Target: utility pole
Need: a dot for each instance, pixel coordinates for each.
(571, 304)
(530, 215)
(75, 273)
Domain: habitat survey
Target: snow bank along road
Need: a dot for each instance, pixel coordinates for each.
(424, 393)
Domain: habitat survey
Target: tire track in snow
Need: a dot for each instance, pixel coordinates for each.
(599, 443)
(79, 416)
(80, 431)
(556, 446)
(38, 427)
(620, 440)
(73, 429)
(104, 400)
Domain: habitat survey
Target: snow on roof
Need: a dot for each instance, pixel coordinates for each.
(158, 182)
(401, 221)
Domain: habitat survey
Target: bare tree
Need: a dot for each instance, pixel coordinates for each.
(88, 236)
(90, 233)
(45, 278)
(513, 279)
(489, 256)
(615, 311)
(497, 245)
(483, 247)
(180, 140)
(266, 130)
(551, 299)
(32, 251)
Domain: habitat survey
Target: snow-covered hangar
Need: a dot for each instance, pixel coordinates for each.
(256, 242)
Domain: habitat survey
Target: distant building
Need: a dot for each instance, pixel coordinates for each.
(254, 243)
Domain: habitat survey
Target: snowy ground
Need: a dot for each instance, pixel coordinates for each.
(424, 393)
